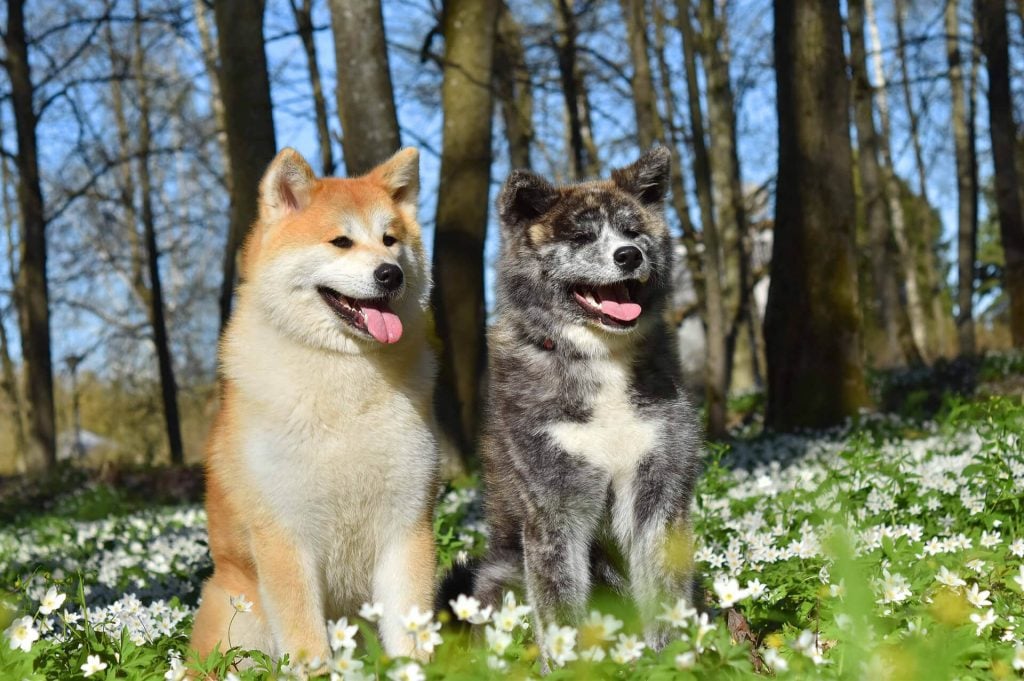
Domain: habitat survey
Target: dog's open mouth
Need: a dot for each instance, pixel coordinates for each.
(373, 317)
(613, 304)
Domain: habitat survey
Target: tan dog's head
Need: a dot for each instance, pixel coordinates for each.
(334, 263)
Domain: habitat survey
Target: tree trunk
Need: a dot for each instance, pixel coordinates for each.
(304, 25)
(31, 289)
(915, 306)
(648, 127)
(995, 47)
(673, 138)
(514, 88)
(168, 387)
(812, 328)
(366, 102)
(209, 52)
(899, 342)
(461, 226)
(966, 182)
(248, 122)
(934, 285)
(726, 184)
(136, 279)
(9, 385)
(908, 100)
(583, 159)
(9, 376)
(717, 375)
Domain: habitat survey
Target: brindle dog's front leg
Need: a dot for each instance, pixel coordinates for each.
(556, 562)
(658, 543)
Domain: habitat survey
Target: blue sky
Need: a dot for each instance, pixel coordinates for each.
(418, 100)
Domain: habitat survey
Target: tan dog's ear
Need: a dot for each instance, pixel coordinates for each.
(286, 186)
(400, 176)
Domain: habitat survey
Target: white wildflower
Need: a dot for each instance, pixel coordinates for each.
(240, 604)
(895, 588)
(429, 637)
(344, 666)
(990, 539)
(22, 634)
(341, 634)
(498, 640)
(774, 660)
(1019, 579)
(756, 589)
(511, 614)
(1018, 658)
(414, 620)
(92, 665)
(51, 601)
(949, 578)
(686, 660)
(978, 598)
(560, 643)
(728, 591)
(177, 671)
(407, 672)
(600, 627)
(371, 612)
(465, 607)
(983, 621)
(679, 614)
(628, 649)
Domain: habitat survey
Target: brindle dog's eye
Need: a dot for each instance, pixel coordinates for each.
(581, 238)
(389, 240)
(342, 242)
(631, 233)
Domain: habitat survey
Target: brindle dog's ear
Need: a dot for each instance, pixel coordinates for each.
(524, 198)
(647, 177)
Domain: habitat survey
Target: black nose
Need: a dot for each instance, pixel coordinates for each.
(628, 257)
(389, 276)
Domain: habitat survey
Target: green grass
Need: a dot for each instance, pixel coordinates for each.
(859, 537)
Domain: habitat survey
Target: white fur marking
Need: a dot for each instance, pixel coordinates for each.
(615, 438)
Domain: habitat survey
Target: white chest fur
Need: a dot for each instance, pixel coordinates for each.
(330, 446)
(616, 437)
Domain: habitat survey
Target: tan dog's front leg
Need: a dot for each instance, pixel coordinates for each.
(291, 591)
(405, 577)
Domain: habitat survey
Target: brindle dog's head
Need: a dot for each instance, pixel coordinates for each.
(596, 254)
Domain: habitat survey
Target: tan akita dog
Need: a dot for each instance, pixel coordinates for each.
(322, 464)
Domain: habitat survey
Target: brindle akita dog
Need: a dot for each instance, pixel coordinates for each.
(589, 438)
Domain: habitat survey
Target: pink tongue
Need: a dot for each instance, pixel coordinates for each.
(381, 322)
(616, 304)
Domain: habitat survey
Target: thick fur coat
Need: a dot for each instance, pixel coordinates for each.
(589, 434)
(322, 464)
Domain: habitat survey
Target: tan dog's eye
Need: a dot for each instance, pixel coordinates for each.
(342, 242)
(389, 240)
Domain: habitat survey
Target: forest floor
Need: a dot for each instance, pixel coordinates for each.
(892, 547)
